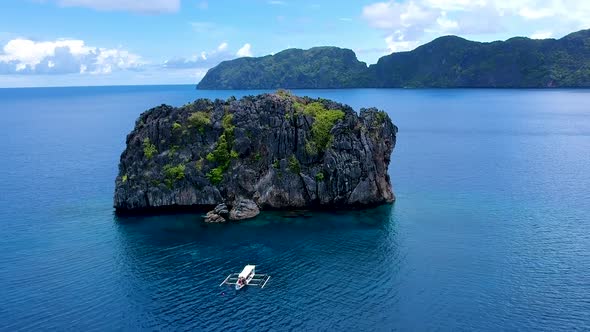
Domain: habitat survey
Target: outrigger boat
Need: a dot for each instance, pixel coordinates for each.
(247, 277)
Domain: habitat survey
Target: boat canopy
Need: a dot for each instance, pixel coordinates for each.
(246, 271)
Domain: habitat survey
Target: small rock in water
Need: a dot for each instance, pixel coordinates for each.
(221, 209)
(244, 209)
(218, 215)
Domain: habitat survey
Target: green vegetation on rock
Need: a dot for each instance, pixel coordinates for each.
(148, 148)
(215, 175)
(199, 164)
(223, 153)
(124, 178)
(173, 173)
(200, 120)
(228, 127)
(448, 61)
(319, 177)
(318, 67)
(294, 165)
(323, 121)
(173, 150)
(380, 117)
(176, 126)
(284, 93)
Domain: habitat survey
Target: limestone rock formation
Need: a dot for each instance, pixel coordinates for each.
(271, 151)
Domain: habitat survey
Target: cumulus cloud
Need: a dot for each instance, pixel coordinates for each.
(398, 15)
(406, 22)
(455, 5)
(222, 47)
(396, 43)
(205, 59)
(140, 6)
(535, 14)
(542, 35)
(24, 56)
(246, 50)
(445, 23)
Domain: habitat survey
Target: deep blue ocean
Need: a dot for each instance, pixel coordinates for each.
(490, 230)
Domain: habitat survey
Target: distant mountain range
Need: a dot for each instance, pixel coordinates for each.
(446, 62)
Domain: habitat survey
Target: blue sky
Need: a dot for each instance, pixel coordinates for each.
(111, 42)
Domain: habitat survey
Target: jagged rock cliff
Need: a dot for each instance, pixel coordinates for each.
(272, 151)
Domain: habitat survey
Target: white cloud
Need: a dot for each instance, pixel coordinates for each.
(567, 11)
(277, 2)
(446, 24)
(222, 47)
(397, 15)
(24, 56)
(411, 22)
(107, 59)
(140, 6)
(246, 50)
(542, 35)
(397, 44)
(203, 60)
(148, 75)
(455, 5)
(535, 14)
(405, 22)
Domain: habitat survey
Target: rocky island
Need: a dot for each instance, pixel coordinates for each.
(446, 62)
(271, 151)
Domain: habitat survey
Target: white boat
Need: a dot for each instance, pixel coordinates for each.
(247, 277)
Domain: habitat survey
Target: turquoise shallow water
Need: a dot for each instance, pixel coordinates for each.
(491, 229)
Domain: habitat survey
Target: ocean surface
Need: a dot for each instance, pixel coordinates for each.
(490, 230)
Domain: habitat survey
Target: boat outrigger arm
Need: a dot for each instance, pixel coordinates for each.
(258, 280)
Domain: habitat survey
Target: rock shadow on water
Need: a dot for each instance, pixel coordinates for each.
(187, 224)
(143, 234)
(324, 219)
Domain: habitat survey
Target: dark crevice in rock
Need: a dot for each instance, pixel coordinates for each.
(308, 197)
